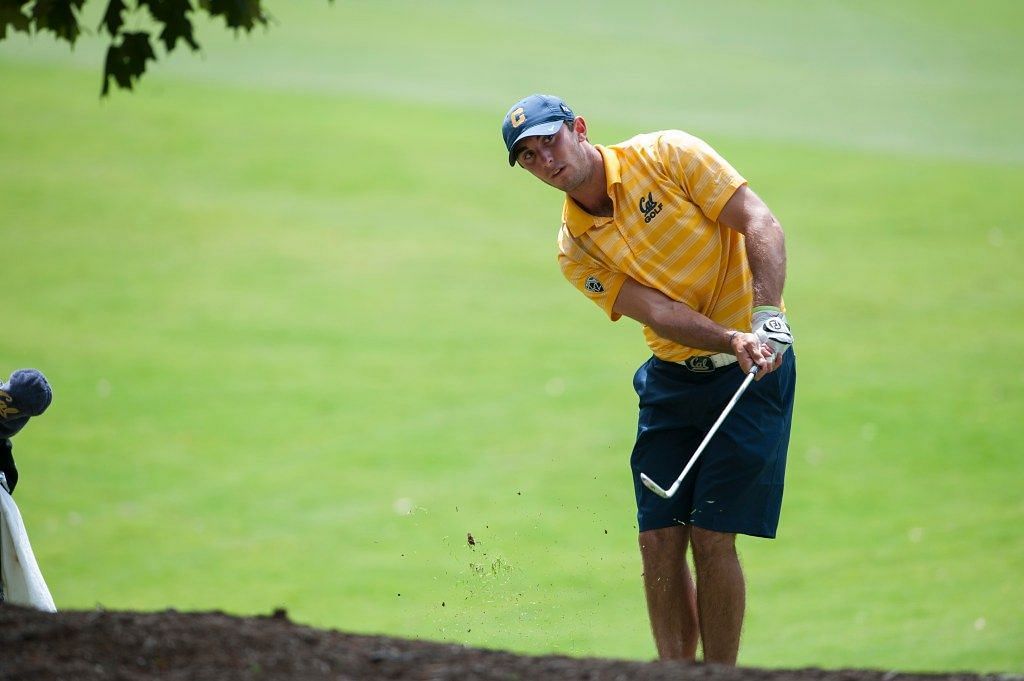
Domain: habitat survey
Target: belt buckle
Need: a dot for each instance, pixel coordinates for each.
(699, 364)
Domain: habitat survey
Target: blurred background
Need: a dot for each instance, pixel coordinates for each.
(306, 330)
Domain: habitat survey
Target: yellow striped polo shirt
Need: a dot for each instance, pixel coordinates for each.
(667, 189)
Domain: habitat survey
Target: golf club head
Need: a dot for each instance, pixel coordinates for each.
(654, 487)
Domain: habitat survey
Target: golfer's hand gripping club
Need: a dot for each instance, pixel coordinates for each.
(667, 493)
(772, 329)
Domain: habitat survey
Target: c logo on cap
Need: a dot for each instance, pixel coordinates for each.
(517, 117)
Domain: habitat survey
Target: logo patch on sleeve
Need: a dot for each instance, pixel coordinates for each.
(593, 285)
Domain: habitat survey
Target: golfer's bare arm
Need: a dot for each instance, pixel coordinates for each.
(670, 319)
(679, 322)
(746, 213)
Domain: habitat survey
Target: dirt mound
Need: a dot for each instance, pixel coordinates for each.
(131, 646)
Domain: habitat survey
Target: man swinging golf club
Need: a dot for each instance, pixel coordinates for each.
(662, 229)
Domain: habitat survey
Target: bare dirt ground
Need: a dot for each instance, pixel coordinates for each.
(130, 646)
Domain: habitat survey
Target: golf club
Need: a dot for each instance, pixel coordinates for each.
(667, 493)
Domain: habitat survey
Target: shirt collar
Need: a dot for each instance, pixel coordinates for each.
(578, 220)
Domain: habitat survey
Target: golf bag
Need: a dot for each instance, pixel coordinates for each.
(25, 395)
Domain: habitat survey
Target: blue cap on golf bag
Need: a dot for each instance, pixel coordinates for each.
(27, 393)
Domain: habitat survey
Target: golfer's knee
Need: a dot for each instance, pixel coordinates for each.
(709, 545)
(667, 540)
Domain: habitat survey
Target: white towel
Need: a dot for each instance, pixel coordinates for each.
(22, 582)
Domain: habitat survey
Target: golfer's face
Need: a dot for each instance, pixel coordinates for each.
(556, 159)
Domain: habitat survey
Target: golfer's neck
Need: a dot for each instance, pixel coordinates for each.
(592, 195)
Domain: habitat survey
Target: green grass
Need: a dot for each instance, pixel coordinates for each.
(306, 330)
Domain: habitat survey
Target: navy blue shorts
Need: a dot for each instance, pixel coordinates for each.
(736, 483)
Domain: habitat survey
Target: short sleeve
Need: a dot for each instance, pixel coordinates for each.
(707, 179)
(597, 282)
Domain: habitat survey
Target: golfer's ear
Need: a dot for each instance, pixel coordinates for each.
(579, 126)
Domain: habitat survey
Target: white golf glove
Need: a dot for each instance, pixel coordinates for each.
(770, 326)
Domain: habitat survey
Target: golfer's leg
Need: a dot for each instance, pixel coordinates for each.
(721, 593)
(671, 600)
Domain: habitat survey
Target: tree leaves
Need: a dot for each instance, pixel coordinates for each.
(11, 15)
(129, 51)
(126, 62)
(173, 14)
(57, 16)
(237, 13)
(113, 18)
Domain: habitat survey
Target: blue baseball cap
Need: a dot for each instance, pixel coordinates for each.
(533, 116)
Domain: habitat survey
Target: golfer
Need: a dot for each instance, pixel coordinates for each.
(661, 229)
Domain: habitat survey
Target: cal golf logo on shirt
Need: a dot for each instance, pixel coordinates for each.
(649, 207)
(593, 285)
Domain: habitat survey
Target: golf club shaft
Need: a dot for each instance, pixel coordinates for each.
(707, 438)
